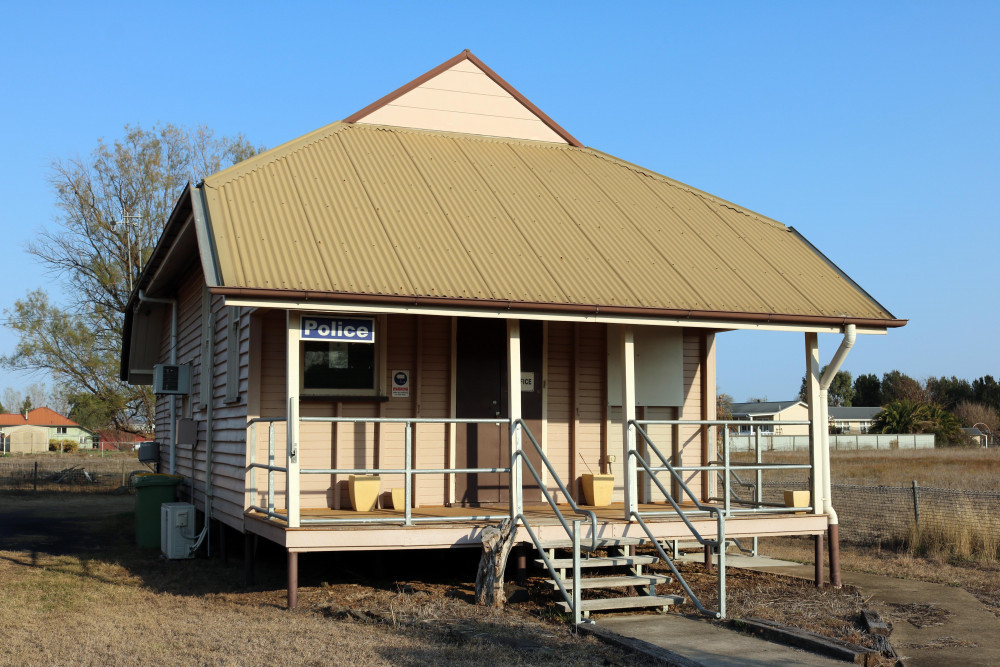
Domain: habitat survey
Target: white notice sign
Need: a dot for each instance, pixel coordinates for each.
(527, 382)
(400, 384)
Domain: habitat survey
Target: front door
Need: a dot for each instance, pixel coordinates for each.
(482, 391)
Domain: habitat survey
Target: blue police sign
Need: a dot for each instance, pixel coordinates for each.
(341, 329)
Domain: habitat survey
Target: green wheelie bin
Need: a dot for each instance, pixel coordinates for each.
(151, 491)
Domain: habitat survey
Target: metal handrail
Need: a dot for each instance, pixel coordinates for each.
(720, 540)
(562, 487)
(574, 534)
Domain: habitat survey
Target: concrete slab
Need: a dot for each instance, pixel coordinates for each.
(705, 643)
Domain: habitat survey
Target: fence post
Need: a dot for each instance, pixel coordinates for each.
(36, 477)
(916, 505)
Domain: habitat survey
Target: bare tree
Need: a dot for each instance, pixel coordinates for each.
(113, 206)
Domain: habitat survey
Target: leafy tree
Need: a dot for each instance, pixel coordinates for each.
(906, 416)
(841, 391)
(942, 423)
(898, 386)
(113, 206)
(949, 392)
(91, 412)
(987, 391)
(867, 391)
(897, 417)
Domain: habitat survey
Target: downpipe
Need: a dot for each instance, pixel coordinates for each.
(833, 521)
(173, 360)
(209, 414)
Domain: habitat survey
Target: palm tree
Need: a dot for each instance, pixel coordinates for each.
(898, 417)
(906, 416)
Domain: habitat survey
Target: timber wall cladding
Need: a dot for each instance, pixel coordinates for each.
(420, 345)
(684, 444)
(229, 433)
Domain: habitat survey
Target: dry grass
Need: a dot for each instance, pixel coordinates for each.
(111, 604)
(949, 468)
(960, 537)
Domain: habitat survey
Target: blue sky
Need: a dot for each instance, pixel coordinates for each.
(871, 127)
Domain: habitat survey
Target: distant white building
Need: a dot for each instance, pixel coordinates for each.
(853, 420)
(778, 411)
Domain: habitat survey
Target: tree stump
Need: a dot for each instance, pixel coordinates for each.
(497, 543)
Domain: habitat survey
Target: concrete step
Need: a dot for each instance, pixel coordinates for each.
(611, 561)
(614, 582)
(602, 542)
(639, 602)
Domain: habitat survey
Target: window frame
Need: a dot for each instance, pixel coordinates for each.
(379, 371)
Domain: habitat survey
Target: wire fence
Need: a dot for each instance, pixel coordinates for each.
(56, 474)
(957, 521)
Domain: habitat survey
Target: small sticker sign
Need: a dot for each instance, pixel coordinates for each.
(400, 384)
(341, 329)
(527, 381)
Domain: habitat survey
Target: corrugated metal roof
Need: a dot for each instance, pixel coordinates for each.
(371, 210)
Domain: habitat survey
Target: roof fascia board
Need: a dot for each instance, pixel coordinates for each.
(496, 78)
(458, 305)
(514, 313)
(206, 243)
(839, 271)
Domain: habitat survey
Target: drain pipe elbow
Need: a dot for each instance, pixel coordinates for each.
(850, 336)
(173, 360)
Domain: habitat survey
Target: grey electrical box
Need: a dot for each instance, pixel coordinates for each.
(149, 451)
(172, 379)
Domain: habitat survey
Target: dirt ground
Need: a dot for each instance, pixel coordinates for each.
(392, 607)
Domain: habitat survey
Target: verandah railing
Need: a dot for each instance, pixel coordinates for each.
(724, 467)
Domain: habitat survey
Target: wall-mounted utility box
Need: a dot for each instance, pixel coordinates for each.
(149, 451)
(177, 530)
(172, 379)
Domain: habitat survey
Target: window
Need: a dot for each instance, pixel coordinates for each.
(342, 368)
(61, 430)
(232, 354)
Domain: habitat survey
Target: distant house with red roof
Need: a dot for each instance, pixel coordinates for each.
(31, 432)
(114, 440)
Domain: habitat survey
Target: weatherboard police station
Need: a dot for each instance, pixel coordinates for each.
(359, 367)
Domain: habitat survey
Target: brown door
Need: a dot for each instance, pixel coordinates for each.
(482, 390)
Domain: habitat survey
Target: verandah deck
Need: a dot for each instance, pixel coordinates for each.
(359, 536)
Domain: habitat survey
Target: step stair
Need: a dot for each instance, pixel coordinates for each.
(602, 574)
(613, 582)
(602, 543)
(638, 602)
(599, 561)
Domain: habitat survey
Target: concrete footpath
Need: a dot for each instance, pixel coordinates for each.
(699, 642)
(933, 624)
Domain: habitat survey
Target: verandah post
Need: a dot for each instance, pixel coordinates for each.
(293, 320)
(514, 413)
(628, 416)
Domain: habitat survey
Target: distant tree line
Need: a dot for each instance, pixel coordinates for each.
(939, 405)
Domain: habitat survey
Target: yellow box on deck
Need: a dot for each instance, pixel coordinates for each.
(597, 489)
(398, 499)
(364, 491)
(797, 499)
